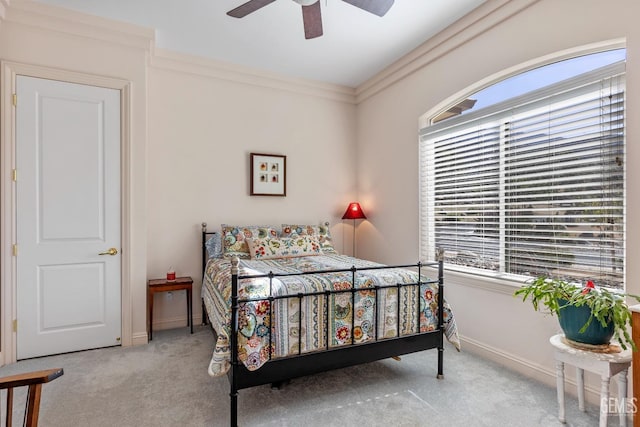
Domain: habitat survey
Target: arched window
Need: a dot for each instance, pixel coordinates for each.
(529, 179)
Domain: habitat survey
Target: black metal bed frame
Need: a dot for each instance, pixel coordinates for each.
(284, 368)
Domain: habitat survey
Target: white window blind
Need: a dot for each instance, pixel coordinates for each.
(532, 186)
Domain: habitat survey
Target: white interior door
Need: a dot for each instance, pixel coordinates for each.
(68, 212)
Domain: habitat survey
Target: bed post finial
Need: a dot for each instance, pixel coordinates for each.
(235, 261)
(439, 254)
(204, 227)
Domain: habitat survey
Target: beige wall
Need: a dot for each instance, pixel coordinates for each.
(68, 46)
(202, 127)
(491, 321)
(193, 124)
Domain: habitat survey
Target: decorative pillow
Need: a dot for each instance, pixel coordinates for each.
(320, 231)
(284, 247)
(234, 238)
(214, 246)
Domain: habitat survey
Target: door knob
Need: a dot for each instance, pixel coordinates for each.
(110, 251)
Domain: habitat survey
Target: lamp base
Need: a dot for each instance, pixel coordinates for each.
(353, 251)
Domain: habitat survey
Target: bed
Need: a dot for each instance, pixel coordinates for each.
(283, 303)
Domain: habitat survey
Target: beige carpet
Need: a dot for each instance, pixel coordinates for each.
(165, 383)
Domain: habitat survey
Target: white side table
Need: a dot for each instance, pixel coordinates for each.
(606, 365)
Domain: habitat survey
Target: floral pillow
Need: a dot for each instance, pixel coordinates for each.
(234, 238)
(214, 246)
(284, 247)
(320, 231)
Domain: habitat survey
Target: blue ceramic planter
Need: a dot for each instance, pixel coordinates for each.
(573, 318)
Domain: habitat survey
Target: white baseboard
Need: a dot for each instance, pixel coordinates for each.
(527, 368)
(175, 322)
(139, 338)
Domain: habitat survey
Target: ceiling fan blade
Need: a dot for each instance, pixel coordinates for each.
(248, 7)
(312, 19)
(377, 7)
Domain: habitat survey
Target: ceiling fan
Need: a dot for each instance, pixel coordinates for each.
(311, 15)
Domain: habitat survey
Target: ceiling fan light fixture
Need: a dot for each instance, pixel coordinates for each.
(306, 2)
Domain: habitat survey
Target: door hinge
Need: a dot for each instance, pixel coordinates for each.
(14, 99)
(14, 175)
(15, 325)
(15, 249)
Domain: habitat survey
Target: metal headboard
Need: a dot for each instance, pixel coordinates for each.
(206, 235)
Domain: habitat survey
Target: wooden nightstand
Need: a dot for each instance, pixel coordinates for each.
(164, 285)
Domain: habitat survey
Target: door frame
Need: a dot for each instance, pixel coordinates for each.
(8, 214)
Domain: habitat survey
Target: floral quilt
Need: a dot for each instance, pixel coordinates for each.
(296, 325)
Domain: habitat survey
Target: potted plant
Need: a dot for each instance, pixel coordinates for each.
(587, 314)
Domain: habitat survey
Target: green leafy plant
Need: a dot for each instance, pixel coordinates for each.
(606, 306)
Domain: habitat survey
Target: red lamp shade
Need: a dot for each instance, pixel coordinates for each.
(354, 211)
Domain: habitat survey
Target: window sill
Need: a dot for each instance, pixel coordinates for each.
(502, 285)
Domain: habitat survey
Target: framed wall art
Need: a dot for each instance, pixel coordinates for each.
(268, 175)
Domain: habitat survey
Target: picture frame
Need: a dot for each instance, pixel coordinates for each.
(268, 175)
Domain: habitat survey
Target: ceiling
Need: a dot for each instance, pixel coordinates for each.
(355, 46)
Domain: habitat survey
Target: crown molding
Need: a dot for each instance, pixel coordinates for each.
(62, 20)
(210, 68)
(478, 21)
(53, 18)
